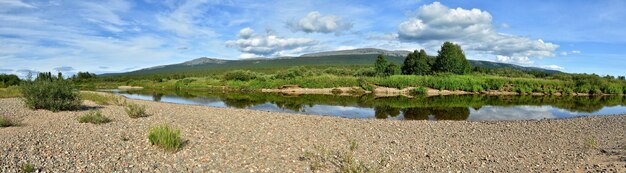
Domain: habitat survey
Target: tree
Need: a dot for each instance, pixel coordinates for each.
(392, 69)
(381, 65)
(60, 76)
(422, 65)
(410, 63)
(9, 80)
(451, 59)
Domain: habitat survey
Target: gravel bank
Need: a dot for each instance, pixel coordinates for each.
(236, 140)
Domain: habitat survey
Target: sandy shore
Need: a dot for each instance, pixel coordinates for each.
(235, 140)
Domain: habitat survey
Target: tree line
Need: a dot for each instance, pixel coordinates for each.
(450, 59)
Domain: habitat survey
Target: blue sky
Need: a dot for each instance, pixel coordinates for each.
(115, 35)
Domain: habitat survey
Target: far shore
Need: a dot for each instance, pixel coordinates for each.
(239, 140)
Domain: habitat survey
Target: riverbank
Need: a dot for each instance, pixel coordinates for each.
(237, 140)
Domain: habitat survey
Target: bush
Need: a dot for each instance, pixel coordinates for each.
(365, 72)
(365, 85)
(56, 95)
(135, 110)
(6, 122)
(419, 91)
(165, 137)
(336, 91)
(94, 117)
(240, 75)
(567, 91)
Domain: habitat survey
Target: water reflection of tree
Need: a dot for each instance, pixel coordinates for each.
(157, 96)
(383, 112)
(440, 113)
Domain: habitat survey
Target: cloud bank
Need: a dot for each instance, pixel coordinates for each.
(267, 44)
(474, 30)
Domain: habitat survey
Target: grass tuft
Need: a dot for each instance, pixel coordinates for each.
(135, 110)
(343, 161)
(6, 122)
(94, 117)
(419, 91)
(591, 143)
(9, 92)
(165, 137)
(27, 167)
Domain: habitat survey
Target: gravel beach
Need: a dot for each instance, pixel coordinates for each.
(237, 140)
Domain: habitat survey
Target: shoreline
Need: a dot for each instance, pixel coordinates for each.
(225, 139)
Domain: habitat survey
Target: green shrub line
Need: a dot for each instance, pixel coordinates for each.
(165, 137)
(93, 117)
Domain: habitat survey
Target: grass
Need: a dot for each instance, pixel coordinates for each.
(419, 91)
(135, 110)
(94, 117)
(343, 160)
(101, 99)
(165, 137)
(27, 167)
(6, 122)
(591, 143)
(10, 92)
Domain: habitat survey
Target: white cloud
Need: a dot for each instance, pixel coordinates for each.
(64, 69)
(552, 67)
(15, 3)
(522, 60)
(316, 22)
(565, 53)
(183, 19)
(268, 44)
(473, 29)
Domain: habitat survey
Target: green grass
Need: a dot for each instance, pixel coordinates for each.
(591, 143)
(10, 92)
(419, 91)
(135, 110)
(165, 137)
(6, 122)
(27, 167)
(93, 117)
(343, 161)
(101, 98)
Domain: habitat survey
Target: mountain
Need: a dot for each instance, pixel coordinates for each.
(335, 58)
(364, 51)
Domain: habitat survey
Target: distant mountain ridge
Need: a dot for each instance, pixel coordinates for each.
(363, 51)
(365, 56)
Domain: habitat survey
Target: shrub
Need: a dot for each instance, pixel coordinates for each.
(240, 75)
(567, 91)
(6, 122)
(365, 72)
(135, 110)
(336, 91)
(165, 137)
(419, 91)
(365, 85)
(94, 117)
(55, 95)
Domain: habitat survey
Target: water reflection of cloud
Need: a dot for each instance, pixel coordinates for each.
(511, 113)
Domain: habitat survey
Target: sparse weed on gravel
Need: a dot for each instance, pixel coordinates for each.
(343, 161)
(135, 110)
(6, 122)
(591, 143)
(94, 117)
(27, 167)
(165, 137)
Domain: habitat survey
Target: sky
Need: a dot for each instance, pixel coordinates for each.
(105, 36)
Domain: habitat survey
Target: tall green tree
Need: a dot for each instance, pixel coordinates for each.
(410, 63)
(392, 69)
(381, 65)
(451, 59)
(422, 65)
